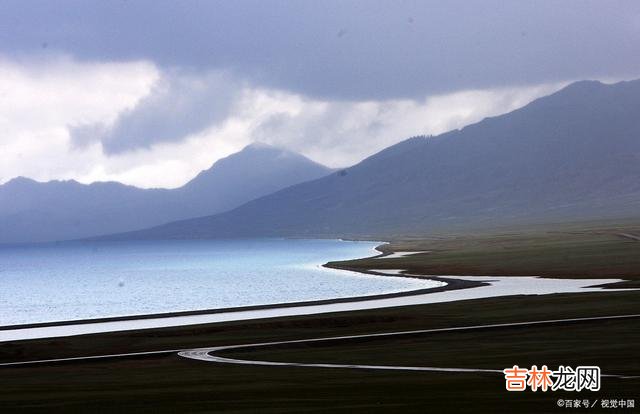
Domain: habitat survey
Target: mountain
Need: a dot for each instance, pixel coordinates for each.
(571, 155)
(31, 211)
(257, 170)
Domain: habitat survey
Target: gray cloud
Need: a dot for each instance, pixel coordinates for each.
(351, 50)
(178, 105)
(341, 133)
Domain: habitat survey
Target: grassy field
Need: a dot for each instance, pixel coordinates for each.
(168, 383)
(591, 250)
(172, 384)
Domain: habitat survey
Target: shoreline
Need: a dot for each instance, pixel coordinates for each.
(374, 252)
(252, 312)
(450, 284)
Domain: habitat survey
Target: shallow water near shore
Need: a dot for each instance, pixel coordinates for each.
(81, 280)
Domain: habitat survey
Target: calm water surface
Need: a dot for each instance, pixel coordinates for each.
(68, 281)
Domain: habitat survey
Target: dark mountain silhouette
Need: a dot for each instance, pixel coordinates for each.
(572, 155)
(58, 210)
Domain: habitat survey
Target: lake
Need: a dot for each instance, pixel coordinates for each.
(79, 280)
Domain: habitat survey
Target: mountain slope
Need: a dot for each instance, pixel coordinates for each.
(574, 154)
(255, 171)
(58, 210)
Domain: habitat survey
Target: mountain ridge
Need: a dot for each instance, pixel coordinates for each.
(32, 211)
(573, 153)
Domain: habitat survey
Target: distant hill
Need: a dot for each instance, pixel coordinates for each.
(257, 170)
(574, 154)
(31, 211)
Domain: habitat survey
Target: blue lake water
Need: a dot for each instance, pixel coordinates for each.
(67, 281)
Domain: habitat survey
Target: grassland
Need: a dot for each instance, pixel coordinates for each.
(589, 250)
(168, 383)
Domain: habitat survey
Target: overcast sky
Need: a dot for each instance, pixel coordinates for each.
(151, 92)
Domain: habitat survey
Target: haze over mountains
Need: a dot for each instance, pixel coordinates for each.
(572, 155)
(31, 211)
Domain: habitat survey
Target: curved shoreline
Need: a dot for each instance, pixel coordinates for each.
(456, 288)
(451, 284)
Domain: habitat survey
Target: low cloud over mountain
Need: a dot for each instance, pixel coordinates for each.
(572, 155)
(60, 210)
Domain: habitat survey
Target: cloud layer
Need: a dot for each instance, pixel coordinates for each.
(152, 128)
(177, 106)
(344, 50)
(150, 92)
(41, 98)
